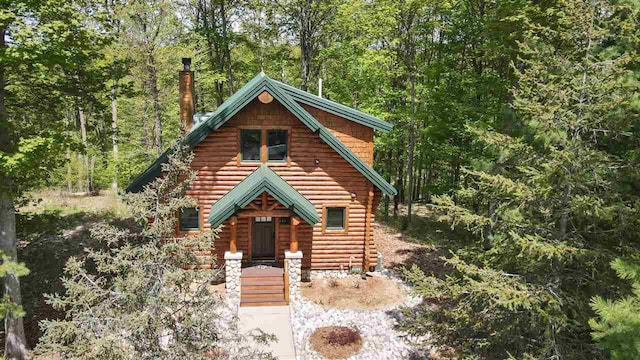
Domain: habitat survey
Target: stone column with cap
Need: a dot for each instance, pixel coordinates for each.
(233, 271)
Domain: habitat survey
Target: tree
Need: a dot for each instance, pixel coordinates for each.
(146, 298)
(307, 21)
(147, 27)
(547, 197)
(212, 24)
(617, 326)
(43, 49)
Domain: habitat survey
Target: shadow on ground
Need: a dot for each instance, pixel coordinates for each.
(423, 243)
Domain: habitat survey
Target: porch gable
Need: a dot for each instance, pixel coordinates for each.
(263, 179)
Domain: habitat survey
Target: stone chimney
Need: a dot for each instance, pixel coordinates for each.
(187, 97)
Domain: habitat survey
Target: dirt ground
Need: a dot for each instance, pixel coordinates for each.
(399, 252)
(353, 292)
(423, 243)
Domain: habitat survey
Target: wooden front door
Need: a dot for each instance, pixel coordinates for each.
(263, 244)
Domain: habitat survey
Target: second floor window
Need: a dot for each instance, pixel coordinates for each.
(277, 145)
(264, 145)
(250, 141)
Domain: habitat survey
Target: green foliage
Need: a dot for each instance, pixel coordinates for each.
(543, 198)
(48, 66)
(142, 296)
(617, 326)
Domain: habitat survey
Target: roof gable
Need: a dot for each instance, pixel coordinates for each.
(263, 179)
(335, 108)
(212, 121)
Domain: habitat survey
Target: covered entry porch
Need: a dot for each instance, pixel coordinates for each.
(269, 213)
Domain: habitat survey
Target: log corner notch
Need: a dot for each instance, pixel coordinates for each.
(367, 231)
(293, 243)
(233, 243)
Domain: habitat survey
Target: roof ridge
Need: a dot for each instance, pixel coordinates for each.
(239, 100)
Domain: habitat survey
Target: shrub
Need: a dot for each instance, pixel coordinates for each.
(342, 336)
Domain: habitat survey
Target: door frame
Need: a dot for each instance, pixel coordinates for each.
(276, 232)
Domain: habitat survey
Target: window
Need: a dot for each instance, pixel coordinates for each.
(335, 218)
(277, 145)
(263, 219)
(264, 145)
(189, 219)
(250, 141)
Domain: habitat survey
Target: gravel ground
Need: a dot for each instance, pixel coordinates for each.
(378, 327)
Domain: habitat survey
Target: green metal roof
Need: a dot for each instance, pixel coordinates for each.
(205, 123)
(335, 108)
(261, 180)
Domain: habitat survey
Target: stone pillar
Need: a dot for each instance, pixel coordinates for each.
(233, 262)
(294, 260)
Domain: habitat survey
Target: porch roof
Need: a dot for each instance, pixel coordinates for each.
(263, 179)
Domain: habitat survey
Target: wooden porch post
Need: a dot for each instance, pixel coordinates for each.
(293, 243)
(233, 244)
(367, 231)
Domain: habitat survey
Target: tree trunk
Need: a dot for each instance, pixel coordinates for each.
(147, 136)
(91, 172)
(487, 232)
(399, 180)
(225, 47)
(153, 85)
(15, 346)
(114, 135)
(427, 183)
(304, 62)
(305, 50)
(386, 197)
(83, 133)
(69, 172)
(15, 341)
(412, 145)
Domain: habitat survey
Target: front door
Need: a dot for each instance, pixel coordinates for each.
(263, 242)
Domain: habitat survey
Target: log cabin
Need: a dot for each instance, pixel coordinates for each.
(289, 178)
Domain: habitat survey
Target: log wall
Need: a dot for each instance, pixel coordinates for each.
(330, 183)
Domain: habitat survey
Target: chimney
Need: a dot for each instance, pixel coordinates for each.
(187, 98)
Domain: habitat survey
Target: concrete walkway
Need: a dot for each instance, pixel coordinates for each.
(272, 320)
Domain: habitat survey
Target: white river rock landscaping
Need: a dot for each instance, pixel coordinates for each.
(377, 327)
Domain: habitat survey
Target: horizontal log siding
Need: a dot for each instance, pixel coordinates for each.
(329, 183)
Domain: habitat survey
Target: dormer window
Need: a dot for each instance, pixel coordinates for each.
(266, 145)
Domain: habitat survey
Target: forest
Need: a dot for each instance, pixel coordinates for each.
(515, 122)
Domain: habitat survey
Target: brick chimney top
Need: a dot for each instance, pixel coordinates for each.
(187, 64)
(187, 96)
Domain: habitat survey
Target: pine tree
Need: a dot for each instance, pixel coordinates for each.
(617, 326)
(545, 204)
(146, 299)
